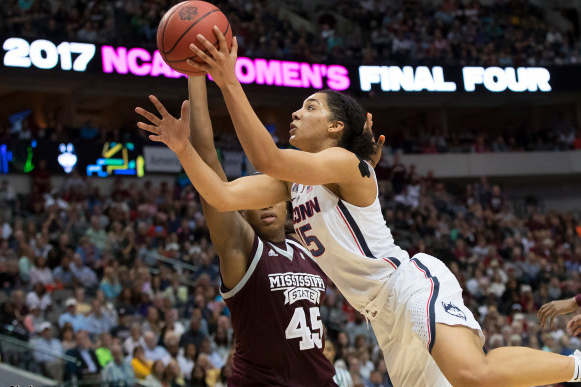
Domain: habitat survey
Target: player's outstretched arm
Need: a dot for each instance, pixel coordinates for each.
(550, 310)
(231, 235)
(252, 192)
(334, 165)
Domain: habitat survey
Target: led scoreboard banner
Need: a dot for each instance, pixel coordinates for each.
(43, 54)
(82, 58)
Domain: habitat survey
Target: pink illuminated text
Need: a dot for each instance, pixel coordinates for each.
(141, 62)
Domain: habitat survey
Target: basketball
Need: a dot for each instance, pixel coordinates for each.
(180, 27)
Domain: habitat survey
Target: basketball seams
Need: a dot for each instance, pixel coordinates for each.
(190, 27)
(162, 50)
(217, 45)
(175, 46)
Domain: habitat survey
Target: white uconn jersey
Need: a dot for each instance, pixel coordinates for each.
(352, 245)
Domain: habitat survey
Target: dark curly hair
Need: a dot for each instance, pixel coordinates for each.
(345, 109)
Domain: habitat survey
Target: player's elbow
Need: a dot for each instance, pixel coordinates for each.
(272, 167)
(223, 203)
(266, 161)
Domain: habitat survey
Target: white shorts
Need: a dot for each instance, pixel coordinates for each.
(421, 293)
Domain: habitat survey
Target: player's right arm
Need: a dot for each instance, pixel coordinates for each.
(231, 235)
(247, 193)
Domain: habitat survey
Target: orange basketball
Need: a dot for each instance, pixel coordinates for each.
(180, 27)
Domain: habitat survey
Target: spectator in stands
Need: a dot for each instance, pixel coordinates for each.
(213, 357)
(77, 321)
(62, 273)
(134, 340)
(97, 321)
(153, 351)
(33, 321)
(83, 307)
(38, 296)
(68, 337)
(155, 379)
(172, 375)
(480, 145)
(118, 373)
(141, 366)
(186, 359)
(194, 334)
(198, 377)
(41, 273)
(48, 352)
(86, 367)
(96, 235)
(172, 344)
(103, 350)
(83, 274)
(122, 330)
(171, 325)
(110, 284)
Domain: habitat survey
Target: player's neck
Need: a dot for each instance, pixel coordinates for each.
(277, 237)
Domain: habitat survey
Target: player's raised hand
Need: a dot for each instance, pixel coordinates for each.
(219, 63)
(378, 144)
(172, 132)
(550, 310)
(574, 326)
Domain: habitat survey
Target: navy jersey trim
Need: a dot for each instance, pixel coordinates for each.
(249, 272)
(432, 312)
(356, 230)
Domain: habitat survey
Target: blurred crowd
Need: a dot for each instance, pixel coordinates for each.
(455, 32)
(417, 135)
(123, 285)
(411, 135)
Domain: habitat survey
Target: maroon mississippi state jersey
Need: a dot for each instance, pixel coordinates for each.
(276, 319)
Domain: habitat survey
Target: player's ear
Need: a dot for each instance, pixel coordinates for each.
(336, 127)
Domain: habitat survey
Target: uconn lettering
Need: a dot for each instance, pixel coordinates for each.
(305, 211)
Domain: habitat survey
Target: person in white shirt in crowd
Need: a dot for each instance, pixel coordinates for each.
(34, 319)
(83, 274)
(38, 296)
(153, 351)
(155, 378)
(367, 366)
(118, 373)
(41, 273)
(47, 352)
(342, 376)
(172, 325)
(171, 343)
(78, 321)
(134, 340)
(186, 359)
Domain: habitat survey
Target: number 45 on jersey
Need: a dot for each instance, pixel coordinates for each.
(298, 328)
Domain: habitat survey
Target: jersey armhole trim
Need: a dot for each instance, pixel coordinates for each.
(249, 272)
(300, 247)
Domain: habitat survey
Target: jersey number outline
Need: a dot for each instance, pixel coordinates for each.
(308, 239)
(298, 327)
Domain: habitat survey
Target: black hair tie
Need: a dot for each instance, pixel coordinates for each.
(364, 168)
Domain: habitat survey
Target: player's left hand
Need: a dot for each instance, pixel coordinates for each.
(220, 64)
(550, 310)
(172, 132)
(378, 144)
(574, 326)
